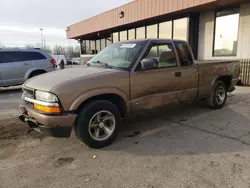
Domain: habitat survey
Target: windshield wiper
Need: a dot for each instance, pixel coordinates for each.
(100, 63)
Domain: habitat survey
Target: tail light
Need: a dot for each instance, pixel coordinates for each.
(53, 61)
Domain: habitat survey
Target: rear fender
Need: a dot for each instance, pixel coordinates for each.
(222, 71)
(30, 71)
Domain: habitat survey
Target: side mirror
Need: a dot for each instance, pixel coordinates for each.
(149, 63)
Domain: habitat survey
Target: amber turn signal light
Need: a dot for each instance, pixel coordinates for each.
(47, 109)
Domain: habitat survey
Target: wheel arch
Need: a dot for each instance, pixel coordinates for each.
(227, 79)
(112, 95)
(31, 71)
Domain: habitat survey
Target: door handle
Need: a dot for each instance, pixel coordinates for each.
(177, 74)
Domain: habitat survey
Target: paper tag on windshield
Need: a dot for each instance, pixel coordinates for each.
(128, 46)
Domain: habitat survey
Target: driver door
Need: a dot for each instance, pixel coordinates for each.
(160, 86)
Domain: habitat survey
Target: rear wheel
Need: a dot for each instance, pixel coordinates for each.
(97, 124)
(219, 95)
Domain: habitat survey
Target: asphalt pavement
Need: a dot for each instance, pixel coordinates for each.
(187, 146)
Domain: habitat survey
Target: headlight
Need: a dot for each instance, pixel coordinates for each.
(45, 96)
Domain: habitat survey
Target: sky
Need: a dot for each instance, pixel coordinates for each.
(20, 20)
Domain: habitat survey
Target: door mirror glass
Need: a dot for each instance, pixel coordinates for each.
(149, 63)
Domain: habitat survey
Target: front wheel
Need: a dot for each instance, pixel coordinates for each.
(219, 95)
(97, 124)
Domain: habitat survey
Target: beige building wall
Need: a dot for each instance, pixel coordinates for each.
(133, 12)
(206, 32)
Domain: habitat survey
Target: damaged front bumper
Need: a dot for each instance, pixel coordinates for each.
(59, 125)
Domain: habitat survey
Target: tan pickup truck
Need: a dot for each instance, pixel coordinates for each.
(123, 79)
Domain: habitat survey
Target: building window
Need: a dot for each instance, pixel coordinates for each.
(140, 33)
(131, 34)
(226, 33)
(181, 29)
(92, 47)
(103, 44)
(116, 37)
(152, 31)
(123, 35)
(165, 30)
(83, 47)
(98, 46)
(87, 46)
(108, 41)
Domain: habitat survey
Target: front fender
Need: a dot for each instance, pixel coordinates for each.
(96, 92)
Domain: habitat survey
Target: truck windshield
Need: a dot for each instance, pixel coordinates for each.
(118, 55)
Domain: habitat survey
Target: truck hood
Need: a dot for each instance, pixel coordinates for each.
(47, 81)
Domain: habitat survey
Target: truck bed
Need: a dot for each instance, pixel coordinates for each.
(218, 67)
(210, 70)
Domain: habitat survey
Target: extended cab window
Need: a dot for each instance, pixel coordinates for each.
(184, 53)
(164, 54)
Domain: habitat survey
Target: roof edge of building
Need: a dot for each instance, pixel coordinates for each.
(101, 13)
(139, 11)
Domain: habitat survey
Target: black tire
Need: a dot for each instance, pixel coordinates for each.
(86, 115)
(212, 101)
(33, 74)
